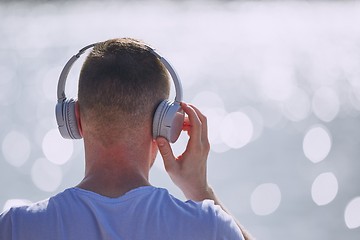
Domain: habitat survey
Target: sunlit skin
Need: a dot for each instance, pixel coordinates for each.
(114, 170)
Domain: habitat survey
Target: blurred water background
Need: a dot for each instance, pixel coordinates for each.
(278, 80)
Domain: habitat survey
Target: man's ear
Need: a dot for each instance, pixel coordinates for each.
(78, 118)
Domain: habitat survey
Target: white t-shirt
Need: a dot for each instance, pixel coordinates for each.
(142, 213)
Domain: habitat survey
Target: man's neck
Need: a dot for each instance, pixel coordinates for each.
(114, 171)
(116, 189)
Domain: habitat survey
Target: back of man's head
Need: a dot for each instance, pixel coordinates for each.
(121, 83)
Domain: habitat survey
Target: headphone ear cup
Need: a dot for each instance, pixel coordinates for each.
(66, 119)
(158, 116)
(168, 120)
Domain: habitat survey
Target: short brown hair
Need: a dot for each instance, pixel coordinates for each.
(120, 85)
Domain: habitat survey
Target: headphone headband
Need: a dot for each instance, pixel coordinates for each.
(168, 117)
(64, 73)
(174, 76)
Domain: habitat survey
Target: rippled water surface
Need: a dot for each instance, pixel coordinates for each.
(278, 81)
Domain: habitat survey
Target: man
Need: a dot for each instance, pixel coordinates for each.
(121, 83)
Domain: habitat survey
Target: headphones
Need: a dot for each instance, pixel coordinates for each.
(168, 118)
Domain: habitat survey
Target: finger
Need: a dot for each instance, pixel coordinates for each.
(186, 124)
(201, 116)
(194, 121)
(166, 153)
(187, 128)
(203, 120)
(186, 121)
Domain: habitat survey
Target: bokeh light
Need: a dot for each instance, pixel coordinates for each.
(317, 144)
(257, 121)
(45, 175)
(325, 104)
(236, 130)
(352, 213)
(215, 117)
(57, 149)
(16, 148)
(265, 199)
(297, 106)
(324, 188)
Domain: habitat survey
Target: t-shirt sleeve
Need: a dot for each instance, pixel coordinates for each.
(225, 224)
(6, 224)
(227, 229)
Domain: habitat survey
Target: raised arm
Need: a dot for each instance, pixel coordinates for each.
(189, 170)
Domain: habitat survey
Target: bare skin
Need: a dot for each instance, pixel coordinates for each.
(114, 170)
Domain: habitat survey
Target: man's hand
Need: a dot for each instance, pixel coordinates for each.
(189, 170)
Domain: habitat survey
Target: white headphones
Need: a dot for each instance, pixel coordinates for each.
(168, 118)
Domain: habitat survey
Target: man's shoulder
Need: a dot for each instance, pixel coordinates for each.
(206, 209)
(196, 219)
(30, 210)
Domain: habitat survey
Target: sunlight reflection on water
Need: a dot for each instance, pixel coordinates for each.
(279, 83)
(324, 188)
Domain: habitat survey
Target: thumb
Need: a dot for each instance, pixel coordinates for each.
(166, 152)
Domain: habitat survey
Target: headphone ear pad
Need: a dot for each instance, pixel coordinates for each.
(168, 120)
(66, 119)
